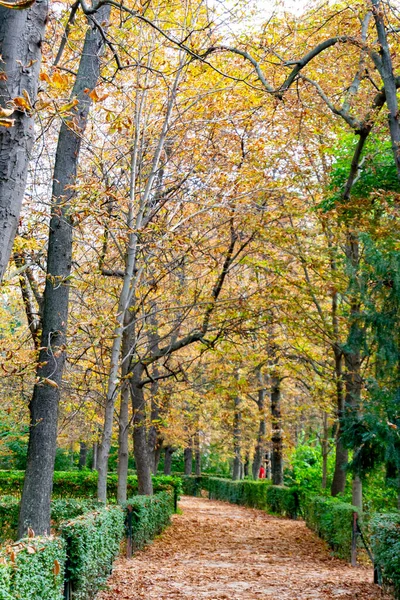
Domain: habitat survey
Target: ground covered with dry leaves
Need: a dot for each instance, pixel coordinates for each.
(216, 550)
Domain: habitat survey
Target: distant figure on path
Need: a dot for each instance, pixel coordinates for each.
(261, 473)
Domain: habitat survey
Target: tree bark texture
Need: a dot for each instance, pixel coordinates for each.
(168, 452)
(197, 454)
(36, 496)
(140, 447)
(82, 455)
(341, 453)
(188, 459)
(276, 438)
(262, 430)
(21, 37)
(237, 439)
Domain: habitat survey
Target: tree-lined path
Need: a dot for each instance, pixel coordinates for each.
(215, 550)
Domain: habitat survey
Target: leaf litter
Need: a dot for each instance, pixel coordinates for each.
(219, 551)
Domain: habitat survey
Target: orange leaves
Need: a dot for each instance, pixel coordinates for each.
(23, 5)
(94, 95)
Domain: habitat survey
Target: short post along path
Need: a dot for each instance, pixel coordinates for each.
(217, 551)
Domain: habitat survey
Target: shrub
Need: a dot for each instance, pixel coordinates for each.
(385, 541)
(68, 508)
(283, 501)
(247, 493)
(332, 520)
(150, 514)
(92, 542)
(83, 484)
(191, 485)
(32, 569)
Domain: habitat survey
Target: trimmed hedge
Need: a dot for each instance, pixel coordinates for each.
(244, 492)
(68, 508)
(33, 569)
(385, 541)
(83, 484)
(332, 520)
(92, 542)
(150, 515)
(283, 501)
(192, 485)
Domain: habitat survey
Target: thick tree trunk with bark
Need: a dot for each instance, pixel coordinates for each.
(21, 37)
(168, 452)
(276, 439)
(82, 455)
(36, 496)
(237, 439)
(188, 459)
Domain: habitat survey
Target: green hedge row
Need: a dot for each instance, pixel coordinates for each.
(61, 510)
(260, 494)
(80, 559)
(149, 516)
(385, 542)
(33, 569)
(83, 484)
(92, 543)
(332, 520)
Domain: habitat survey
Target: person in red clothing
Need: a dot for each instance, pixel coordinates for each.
(261, 473)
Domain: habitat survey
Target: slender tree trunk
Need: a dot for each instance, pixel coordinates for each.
(197, 454)
(94, 461)
(21, 36)
(82, 455)
(246, 465)
(188, 458)
(123, 444)
(140, 446)
(237, 439)
(325, 451)
(268, 471)
(276, 439)
(123, 422)
(262, 430)
(168, 452)
(341, 453)
(36, 496)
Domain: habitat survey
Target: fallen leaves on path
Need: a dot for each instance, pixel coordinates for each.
(219, 551)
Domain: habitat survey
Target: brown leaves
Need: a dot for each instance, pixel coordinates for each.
(23, 5)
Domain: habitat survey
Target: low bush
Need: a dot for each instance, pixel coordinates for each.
(385, 542)
(61, 509)
(150, 514)
(283, 501)
(33, 569)
(83, 484)
(191, 485)
(245, 492)
(92, 542)
(332, 520)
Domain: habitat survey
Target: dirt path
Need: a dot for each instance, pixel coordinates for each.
(220, 551)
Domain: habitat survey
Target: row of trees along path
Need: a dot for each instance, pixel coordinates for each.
(215, 550)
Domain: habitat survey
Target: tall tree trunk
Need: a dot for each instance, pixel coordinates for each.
(197, 453)
(262, 429)
(385, 68)
(188, 458)
(352, 351)
(237, 439)
(325, 451)
(246, 465)
(123, 421)
(140, 447)
(36, 496)
(276, 439)
(82, 455)
(341, 453)
(21, 36)
(94, 459)
(168, 452)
